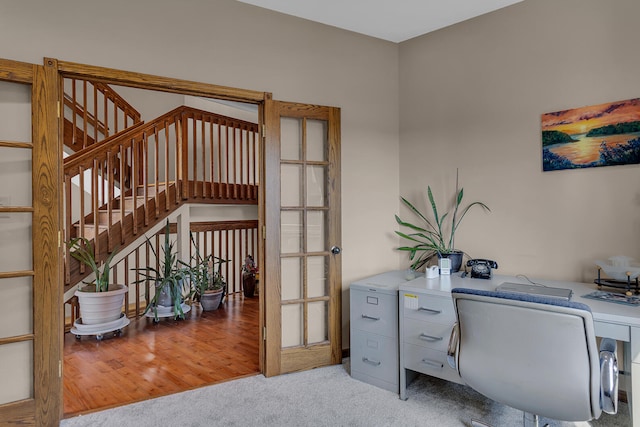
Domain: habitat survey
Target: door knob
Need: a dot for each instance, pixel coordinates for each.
(335, 250)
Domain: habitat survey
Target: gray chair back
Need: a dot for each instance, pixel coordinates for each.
(536, 354)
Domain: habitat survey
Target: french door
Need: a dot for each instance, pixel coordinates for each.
(30, 342)
(302, 237)
(300, 224)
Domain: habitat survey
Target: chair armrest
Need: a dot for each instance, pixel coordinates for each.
(608, 376)
(452, 349)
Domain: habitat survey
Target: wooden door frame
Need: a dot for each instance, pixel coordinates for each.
(45, 408)
(47, 92)
(135, 80)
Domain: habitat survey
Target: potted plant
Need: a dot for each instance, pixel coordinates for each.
(210, 286)
(171, 280)
(435, 237)
(208, 283)
(249, 271)
(100, 301)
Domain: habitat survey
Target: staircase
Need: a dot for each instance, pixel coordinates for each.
(120, 183)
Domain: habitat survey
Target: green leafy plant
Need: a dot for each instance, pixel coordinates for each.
(431, 238)
(81, 249)
(204, 275)
(172, 275)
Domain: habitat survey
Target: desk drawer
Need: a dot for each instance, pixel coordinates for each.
(374, 312)
(375, 356)
(612, 330)
(427, 334)
(428, 307)
(429, 362)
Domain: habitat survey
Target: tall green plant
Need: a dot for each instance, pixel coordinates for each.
(432, 239)
(205, 276)
(171, 273)
(81, 249)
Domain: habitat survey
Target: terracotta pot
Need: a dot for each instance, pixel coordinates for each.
(101, 307)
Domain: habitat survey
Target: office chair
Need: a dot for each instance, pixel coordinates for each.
(536, 354)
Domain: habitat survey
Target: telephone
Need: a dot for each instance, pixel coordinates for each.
(481, 268)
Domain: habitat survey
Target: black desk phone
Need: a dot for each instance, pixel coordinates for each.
(481, 268)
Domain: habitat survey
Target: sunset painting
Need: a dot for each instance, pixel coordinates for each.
(599, 135)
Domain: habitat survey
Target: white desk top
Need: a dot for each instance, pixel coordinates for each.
(601, 310)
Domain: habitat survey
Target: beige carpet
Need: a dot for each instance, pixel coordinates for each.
(320, 397)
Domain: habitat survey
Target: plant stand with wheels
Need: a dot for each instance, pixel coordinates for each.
(100, 329)
(166, 312)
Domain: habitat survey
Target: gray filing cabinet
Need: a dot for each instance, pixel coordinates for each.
(374, 329)
(426, 320)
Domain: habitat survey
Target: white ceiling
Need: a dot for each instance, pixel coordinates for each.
(392, 20)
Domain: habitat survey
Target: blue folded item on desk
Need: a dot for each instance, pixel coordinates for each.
(614, 297)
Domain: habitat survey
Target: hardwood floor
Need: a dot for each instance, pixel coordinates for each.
(150, 360)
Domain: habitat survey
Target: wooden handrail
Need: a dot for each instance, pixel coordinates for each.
(77, 108)
(86, 156)
(122, 103)
(97, 106)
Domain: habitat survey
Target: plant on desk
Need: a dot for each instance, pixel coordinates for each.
(432, 238)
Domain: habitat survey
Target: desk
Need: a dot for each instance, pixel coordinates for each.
(617, 321)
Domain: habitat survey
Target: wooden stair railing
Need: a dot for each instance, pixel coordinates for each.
(93, 112)
(231, 240)
(185, 155)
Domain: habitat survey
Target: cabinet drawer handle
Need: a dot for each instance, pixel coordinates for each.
(429, 337)
(432, 363)
(371, 362)
(429, 310)
(364, 316)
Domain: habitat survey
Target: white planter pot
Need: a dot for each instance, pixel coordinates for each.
(101, 307)
(210, 300)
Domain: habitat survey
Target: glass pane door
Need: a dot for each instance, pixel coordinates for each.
(303, 262)
(303, 312)
(16, 261)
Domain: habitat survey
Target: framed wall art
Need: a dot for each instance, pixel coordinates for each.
(598, 135)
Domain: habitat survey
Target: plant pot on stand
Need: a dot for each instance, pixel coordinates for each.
(100, 302)
(171, 280)
(168, 301)
(101, 307)
(100, 312)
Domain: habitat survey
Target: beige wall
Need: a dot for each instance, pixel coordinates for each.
(471, 97)
(230, 43)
